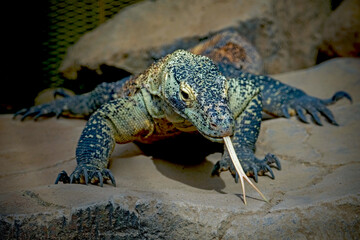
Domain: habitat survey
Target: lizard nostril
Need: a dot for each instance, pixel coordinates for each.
(213, 125)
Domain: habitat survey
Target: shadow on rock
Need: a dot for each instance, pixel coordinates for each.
(183, 158)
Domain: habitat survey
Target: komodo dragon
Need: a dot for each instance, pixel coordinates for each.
(182, 92)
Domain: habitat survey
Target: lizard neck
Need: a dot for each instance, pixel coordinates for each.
(163, 114)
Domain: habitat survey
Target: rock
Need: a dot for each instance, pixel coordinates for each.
(37, 150)
(286, 34)
(341, 33)
(47, 95)
(315, 195)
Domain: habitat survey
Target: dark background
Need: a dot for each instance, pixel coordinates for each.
(36, 37)
(25, 29)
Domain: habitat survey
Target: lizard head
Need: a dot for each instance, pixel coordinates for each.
(197, 91)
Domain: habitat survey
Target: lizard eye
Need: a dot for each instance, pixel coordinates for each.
(187, 93)
(184, 96)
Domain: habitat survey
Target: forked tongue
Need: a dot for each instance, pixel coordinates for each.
(239, 169)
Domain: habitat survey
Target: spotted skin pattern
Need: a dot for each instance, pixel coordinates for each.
(182, 92)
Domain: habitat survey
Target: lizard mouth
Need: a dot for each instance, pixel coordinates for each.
(215, 139)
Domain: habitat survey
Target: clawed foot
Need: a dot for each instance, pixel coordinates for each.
(260, 167)
(86, 175)
(47, 109)
(240, 173)
(252, 167)
(314, 106)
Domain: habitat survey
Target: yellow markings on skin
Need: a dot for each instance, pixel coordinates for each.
(250, 111)
(239, 169)
(247, 122)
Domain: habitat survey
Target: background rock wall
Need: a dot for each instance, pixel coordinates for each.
(286, 33)
(341, 32)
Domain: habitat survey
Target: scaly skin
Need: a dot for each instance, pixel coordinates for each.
(182, 92)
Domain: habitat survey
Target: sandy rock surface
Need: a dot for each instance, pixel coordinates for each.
(316, 194)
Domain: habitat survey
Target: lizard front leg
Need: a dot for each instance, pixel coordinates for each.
(119, 121)
(247, 127)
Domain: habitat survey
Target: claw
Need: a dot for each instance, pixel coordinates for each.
(61, 93)
(62, 177)
(236, 177)
(109, 174)
(255, 174)
(314, 115)
(25, 116)
(215, 170)
(285, 111)
(271, 158)
(270, 171)
(341, 94)
(71, 178)
(37, 116)
(300, 111)
(19, 112)
(277, 162)
(100, 179)
(334, 123)
(336, 97)
(86, 177)
(219, 167)
(58, 114)
(327, 114)
(58, 178)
